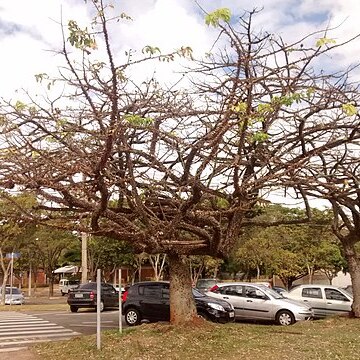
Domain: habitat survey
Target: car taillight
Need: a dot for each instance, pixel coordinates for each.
(214, 288)
(92, 295)
(124, 296)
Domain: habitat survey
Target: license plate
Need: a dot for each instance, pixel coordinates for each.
(79, 295)
(231, 314)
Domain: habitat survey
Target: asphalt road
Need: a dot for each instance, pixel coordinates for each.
(84, 321)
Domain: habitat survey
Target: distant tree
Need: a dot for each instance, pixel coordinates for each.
(48, 247)
(15, 229)
(201, 266)
(108, 255)
(157, 262)
(291, 251)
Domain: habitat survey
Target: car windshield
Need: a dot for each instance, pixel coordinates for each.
(271, 292)
(197, 293)
(88, 286)
(14, 291)
(205, 283)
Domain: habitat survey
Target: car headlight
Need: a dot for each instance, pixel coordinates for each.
(216, 306)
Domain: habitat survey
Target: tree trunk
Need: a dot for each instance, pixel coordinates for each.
(182, 306)
(354, 271)
(51, 285)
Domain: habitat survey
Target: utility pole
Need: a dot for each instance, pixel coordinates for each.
(84, 267)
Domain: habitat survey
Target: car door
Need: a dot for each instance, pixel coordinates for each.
(337, 303)
(232, 294)
(256, 304)
(313, 296)
(154, 303)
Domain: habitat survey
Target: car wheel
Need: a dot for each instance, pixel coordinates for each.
(285, 318)
(74, 309)
(102, 307)
(132, 317)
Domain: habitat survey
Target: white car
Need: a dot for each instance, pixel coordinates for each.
(258, 302)
(324, 299)
(13, 295)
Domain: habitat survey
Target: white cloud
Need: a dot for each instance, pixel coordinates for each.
(28, 29)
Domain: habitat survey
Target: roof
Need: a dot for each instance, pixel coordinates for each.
(69, 269)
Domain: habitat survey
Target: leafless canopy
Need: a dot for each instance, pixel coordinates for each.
(177, 169)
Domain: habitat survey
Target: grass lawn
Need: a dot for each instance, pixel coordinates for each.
(329, 339)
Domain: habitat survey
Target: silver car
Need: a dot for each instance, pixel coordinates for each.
(13, 296)
(324, 299)
(258, 302)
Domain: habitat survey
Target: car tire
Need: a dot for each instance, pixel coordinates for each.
(102, 306)
(285, 318)
(132, 317)
(73, 309)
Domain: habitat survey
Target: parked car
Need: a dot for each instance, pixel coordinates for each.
(258, 302)
(13, 296)
(85, 296)
(150, 300)
(205, 284)
(324, 299)
(65, 285)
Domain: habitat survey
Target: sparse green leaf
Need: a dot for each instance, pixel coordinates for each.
(240, 108)
(260, 136)
(138, 120)
(216, 16)
(349, 109)
(151, 50)
(324, 41)
(20, 106)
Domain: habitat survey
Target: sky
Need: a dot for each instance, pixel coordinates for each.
(30, 31)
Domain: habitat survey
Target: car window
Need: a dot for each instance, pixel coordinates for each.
(14, 291)
(333, 294)
(151, 290)
(234, 290)
(254, 293)
(107, 287)
(74, 282)
(312, 292)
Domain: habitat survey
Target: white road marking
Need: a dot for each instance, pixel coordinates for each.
(18, 329)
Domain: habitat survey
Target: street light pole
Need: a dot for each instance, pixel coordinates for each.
(84, 267)
(11, 276)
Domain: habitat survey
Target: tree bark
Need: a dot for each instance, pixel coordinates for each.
(182, 306)
(354, 270)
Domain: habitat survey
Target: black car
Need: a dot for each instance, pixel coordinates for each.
(84, 296)
(150, 300)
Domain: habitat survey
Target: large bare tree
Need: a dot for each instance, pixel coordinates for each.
(174, 169)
